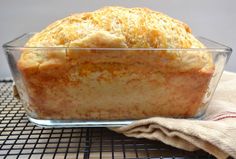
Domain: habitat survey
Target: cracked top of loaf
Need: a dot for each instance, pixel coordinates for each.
(118, 27)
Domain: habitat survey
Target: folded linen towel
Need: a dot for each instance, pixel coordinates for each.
(214, 133)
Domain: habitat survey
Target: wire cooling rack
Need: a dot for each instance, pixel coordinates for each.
(21, 139)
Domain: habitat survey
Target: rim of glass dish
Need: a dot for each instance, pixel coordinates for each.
(221, 48)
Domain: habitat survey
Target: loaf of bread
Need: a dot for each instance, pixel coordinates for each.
(115, 63)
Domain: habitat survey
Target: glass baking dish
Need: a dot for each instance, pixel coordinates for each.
(110, 87)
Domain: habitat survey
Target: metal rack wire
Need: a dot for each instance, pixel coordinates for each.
(21, 139)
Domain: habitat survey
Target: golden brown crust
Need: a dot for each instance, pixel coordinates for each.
(134, 27)
(86, 84)
(117, 27)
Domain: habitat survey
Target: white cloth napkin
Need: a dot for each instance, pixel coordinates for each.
(215, 133)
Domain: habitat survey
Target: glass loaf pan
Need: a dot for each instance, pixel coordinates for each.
(80, 87)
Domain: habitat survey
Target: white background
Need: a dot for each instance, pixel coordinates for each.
(214, 19)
